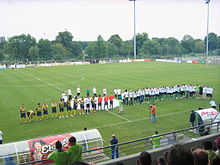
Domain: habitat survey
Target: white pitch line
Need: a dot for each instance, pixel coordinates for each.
(25, 86)
(49, 84)
(132, 121)
(119, 116)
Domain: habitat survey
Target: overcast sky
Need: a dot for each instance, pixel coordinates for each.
(86, 19)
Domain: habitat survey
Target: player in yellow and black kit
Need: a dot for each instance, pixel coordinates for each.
(45, 111)
(61, 106)
(69, 108)
(54, 109)
(22, 111)
(39, 113)
(75, 104)
(30, 115)
(82, 107)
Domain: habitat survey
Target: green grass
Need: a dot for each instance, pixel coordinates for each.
(43, 84)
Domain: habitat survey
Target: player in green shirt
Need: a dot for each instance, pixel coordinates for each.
(75, 151)
(59, 156)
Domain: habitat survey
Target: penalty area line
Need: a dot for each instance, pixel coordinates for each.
(119, 116)
(41, 80)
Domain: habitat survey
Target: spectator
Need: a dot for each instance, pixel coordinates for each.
(59, 156)
(217, 143)
(207, 146)
(75, 151)
(161, 160)
(178, 155)
(144, 158)
(192, 118)
(215, 161)
(155, 140)
(114, 148)
(200, 157)
(1, 137)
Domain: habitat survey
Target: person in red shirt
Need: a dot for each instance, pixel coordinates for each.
(106, 102)
(99, 102)
(111, 97)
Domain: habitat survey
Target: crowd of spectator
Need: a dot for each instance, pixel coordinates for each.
(207, 154)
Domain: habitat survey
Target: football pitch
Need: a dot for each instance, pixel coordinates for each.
(30, 86)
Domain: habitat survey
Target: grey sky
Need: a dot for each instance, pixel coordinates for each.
(86, 19)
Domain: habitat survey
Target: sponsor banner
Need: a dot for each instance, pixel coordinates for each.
(20, 66)
(12, 66)
(165, 60)
(148, 59)
(86, 62)
(138, 60)
(189, 61)
(102, 62)
(207, 114)
(2, 66)
(45, 64)
(125, 60)
(40, 148)
(195, 62)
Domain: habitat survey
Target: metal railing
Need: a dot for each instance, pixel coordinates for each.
(139, 145)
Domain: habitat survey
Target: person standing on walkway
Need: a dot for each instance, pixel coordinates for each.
(114, 148)
(155, 140)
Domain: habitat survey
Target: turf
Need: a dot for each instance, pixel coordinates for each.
(43, 84)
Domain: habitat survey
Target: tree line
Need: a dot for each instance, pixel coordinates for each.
(25, 48)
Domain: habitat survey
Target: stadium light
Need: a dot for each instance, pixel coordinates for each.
(207, 38)
(134, 31)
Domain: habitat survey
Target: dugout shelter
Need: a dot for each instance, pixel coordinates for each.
(40, 148)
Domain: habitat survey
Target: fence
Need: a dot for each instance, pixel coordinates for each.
(139, 145)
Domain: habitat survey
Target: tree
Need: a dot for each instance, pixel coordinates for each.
(199, 46)
(140, 39)
(112, 50)
(45, 49)
(213, 41)
(59, 52)
(91, 50)
(188, 44)
(150, 47)
(18, 46)
(101, 48)
(127, 49)
(33, 53)
(76, 50)
(65, 38)
(117, 41)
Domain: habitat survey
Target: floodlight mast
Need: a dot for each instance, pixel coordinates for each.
(134, 30)
(207, 37)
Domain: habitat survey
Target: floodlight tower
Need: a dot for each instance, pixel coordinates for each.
(134, 30)
(207, 37)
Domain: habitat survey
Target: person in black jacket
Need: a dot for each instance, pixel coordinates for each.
(192, 118)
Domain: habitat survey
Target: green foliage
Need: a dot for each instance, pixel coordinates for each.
(33, 53)
(150, 47)
(213, 41)
(60, 52)
(45, 49)
(17, 47)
